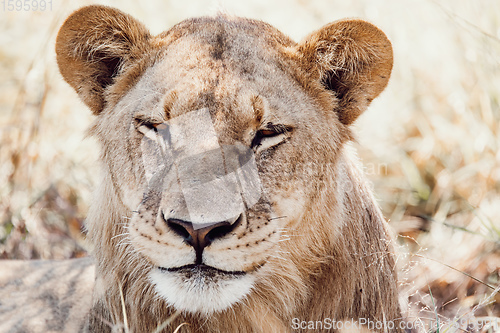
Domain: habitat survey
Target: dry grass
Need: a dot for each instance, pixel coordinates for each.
(431, 142)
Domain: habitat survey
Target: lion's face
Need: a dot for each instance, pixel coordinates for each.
(216, 167)
(220, 145)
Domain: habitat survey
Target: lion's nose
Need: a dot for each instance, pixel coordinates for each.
(199, 238)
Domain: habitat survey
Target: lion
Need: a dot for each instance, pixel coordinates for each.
(230, 200)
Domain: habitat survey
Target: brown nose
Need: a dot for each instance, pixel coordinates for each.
(199, 238)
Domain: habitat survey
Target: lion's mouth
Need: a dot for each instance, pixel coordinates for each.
(201, 269)
(201, 289)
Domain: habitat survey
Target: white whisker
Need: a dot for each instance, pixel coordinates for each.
(120, 235)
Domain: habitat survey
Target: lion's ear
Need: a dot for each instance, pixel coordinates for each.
(94, 45)
(353, 58)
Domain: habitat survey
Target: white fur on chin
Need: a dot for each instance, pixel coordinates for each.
(200, 294)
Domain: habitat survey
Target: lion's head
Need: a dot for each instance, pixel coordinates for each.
(225, 179)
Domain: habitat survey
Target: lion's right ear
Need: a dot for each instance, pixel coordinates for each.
(94, 45)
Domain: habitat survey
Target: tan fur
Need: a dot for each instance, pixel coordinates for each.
(45, 296)
(316, 242)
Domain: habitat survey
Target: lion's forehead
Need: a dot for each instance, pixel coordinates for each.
(195, 80)
(226, 33)
(218, 56)
(243, 46)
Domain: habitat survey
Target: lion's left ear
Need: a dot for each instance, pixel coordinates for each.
(94, 45)
(354, 59)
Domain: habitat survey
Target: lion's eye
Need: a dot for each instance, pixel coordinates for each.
(146, 126)
(268, 133)
(270, 136)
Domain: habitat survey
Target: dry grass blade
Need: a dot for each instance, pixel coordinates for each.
(124, 310)
(179, 327)
(435, 311)
(457, 270)
(167, 322)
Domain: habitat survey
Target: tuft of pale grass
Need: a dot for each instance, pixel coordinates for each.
(431, 142)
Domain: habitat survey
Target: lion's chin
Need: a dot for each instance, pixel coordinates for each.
(201, 289)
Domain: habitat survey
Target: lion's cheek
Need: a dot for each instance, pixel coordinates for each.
(247, 256)
(131, 198)
(288, 207)
(127, 183)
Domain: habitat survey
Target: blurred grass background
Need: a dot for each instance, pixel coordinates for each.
(430, 142)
